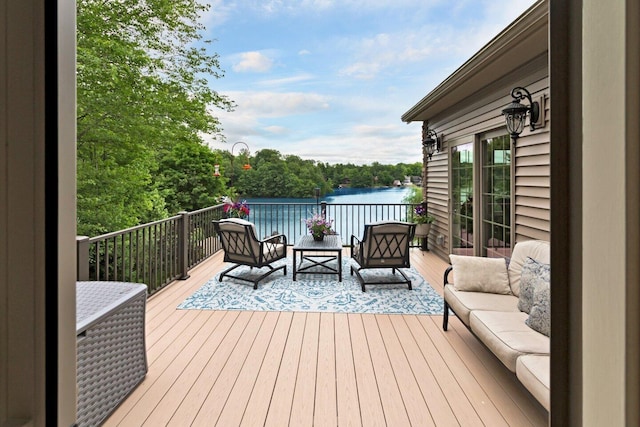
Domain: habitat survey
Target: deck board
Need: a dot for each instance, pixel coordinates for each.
(305, 390)
(253, 368)
(346, 384)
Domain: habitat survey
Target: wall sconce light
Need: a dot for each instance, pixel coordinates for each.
(432, 143)
(516, 113)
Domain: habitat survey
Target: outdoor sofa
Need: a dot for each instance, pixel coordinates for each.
(508, 308)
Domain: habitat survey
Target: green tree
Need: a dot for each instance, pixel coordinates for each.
(142, 86)
(186, 178)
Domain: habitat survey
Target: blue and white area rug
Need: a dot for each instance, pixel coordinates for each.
(317, 293)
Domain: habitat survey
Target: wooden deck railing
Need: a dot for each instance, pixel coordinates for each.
(163, 251)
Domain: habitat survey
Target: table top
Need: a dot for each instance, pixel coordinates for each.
(330, 242)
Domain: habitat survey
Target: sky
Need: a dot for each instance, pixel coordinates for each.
(328, 80)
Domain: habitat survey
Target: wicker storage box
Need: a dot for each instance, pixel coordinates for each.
(111, 352)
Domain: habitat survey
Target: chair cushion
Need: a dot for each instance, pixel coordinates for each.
(534, 275)
(480, 274)
(536, 249)
(507, 335)
(462, 302)
(540, 316)
(533, 372)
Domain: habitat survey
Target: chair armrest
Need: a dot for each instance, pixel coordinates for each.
(446, 275)
(273, 248)
(354, 242)
(278, 238)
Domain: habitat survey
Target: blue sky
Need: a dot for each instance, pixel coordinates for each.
(328, 80)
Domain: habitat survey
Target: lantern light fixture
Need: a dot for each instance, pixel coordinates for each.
(516, 113)
(432, 143)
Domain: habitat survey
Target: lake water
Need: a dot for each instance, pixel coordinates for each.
(347, 207)
(349, 195)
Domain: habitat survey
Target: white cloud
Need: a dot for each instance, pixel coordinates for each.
(277, 130)
(219, 12)
(252, 62)
(304, 52)
(277, 104)
(352, 147)
(286, 80)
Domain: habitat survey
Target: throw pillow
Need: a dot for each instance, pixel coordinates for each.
(540, 317)
(534, 274)
(480, 274)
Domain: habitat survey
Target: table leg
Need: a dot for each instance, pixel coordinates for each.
(295, 265)
(340, 266)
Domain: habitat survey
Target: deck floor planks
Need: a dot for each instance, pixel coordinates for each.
(166, 368)
(162, 400)
(395, 412)
(282, 397)
(221, 348)
(255, 412)
(380, 367)
(414, 402)
(237, 399)
(468, 380)
(433, 395)
(346, 384)
(448, 384)
(370, 404)
(305, 391)
(222, 386)
(326, 412)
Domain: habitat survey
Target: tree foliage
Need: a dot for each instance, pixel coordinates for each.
(142, 89)
(275, 175)
(144, 100)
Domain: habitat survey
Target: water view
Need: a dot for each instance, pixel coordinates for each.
(349, 208)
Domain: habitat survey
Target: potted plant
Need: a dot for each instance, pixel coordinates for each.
(423, 220)
(233, 209)
(319, 226)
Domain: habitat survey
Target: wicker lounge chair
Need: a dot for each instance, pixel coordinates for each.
(242, 247)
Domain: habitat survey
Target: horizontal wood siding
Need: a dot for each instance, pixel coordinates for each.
(531, 196)
(532, 184)
(438, 200)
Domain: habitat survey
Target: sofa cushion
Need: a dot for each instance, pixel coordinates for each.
(507, 335)
(533, 372)
(534, 274)
(540, 316)
(536, 249)
(480, 274)
(463, 302)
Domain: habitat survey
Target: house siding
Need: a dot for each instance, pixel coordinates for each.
(463, 124)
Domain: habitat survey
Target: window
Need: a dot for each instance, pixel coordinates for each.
(496, 196)
(462, 199)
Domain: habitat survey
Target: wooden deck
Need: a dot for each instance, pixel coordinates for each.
(227, 368)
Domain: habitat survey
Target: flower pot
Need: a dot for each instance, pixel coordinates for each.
(318, 238)
(422, 230)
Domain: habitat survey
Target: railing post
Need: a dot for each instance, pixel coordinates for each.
(82, 258)
(323, 209)
(183, 245)
(425, 239)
